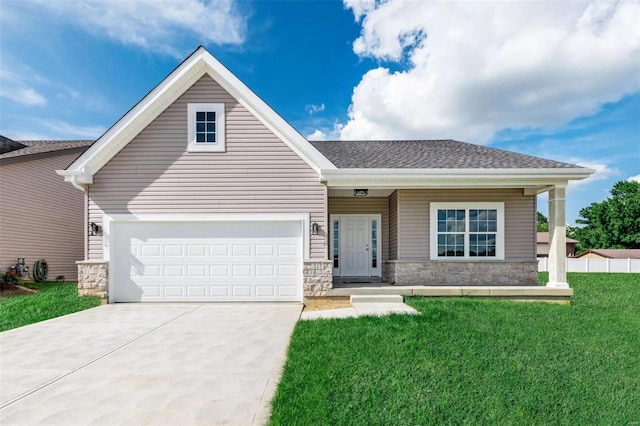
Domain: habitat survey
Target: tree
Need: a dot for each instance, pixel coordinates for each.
(543, 223)
(614, 222)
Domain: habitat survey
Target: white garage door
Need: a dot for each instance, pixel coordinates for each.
(206, 261)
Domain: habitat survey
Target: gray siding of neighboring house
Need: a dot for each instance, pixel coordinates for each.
(258, 173)
(41, 216)
(393, 226)
(413, 219)
(373, 205)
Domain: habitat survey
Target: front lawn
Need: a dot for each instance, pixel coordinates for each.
(52, 300)
(470, 361)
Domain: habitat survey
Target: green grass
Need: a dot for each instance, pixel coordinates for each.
(466, 361)
(53, 300)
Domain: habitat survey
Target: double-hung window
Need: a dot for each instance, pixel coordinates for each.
(206, 127)
(467, 231)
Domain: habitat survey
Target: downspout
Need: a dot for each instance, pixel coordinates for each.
(86, 221)
(75, 183)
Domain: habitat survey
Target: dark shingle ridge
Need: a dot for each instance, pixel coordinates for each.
(30, 147)
(8, 145)
(427, 154)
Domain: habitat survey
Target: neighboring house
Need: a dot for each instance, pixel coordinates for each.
(41, 217)
(203, 192)
(543, 245)
(610, 254)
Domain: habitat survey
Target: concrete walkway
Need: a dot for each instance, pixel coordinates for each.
(360, 309)
(146, 364)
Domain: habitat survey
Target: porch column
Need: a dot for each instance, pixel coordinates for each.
(557, 238)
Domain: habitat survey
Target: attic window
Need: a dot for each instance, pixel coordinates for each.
(206, 127)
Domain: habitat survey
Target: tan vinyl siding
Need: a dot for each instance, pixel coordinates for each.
(373, 205)
(258, 173)
(41, 216)
(413, 219)
(393, 226)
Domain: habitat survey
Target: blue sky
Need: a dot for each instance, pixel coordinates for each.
(554, 79)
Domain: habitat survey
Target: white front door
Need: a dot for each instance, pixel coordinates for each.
(355, 246)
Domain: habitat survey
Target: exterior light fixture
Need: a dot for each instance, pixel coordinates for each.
(315, 228)
(94, 229)
(360, 192)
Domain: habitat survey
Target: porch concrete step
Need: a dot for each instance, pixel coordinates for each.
(376, 298)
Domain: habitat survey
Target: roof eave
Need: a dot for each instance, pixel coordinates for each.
(454, 178)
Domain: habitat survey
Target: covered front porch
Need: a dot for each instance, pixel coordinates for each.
(385, 241)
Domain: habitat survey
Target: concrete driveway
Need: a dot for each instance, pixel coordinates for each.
(159, 364)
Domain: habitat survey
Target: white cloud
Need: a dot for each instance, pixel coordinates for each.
(312, 109)
(635, 178)
(474, 68)
(24, 95)
(360, 7)
(602, 172)
(317, 135)
(326, 133)
(16, 88)
(156, 25)
(63, 130)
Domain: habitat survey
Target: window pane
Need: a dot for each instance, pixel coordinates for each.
(211, 127)
(460, 226)
(492, 226)
(493, 214)
(442, 226)
(211, 137)
(199, 116)
(200, 137)
(442, 214)
(200, 127)
(211, 116)
(460, 214)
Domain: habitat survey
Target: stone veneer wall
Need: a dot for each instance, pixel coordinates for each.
(317, 277)
(93, 278)
(461, 273)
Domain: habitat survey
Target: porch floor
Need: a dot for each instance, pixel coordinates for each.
(519, 293)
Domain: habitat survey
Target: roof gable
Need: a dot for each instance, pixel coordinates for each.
(198, 64)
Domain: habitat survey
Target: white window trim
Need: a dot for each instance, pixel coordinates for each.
(433, 230)
(220, 144)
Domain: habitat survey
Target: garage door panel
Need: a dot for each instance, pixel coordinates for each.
(178, 261)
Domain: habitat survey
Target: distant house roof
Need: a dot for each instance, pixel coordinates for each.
(23, 148)
(8, 145)
(543, 238)
(614, 253)
(427, 154)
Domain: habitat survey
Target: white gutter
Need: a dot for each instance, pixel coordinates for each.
(72, 177)
(373, 174)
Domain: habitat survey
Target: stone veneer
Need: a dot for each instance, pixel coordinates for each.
(461, 273)
(93, 278)
(317, 277)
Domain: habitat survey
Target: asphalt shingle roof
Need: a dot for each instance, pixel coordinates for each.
(427, 154)
(8, 145)
(38, 147)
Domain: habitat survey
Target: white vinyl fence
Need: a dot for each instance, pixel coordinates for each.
(595, 265)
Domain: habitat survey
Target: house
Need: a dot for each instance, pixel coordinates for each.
(543, 245)
(41, 217)
(610, 254)
(202, 192)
